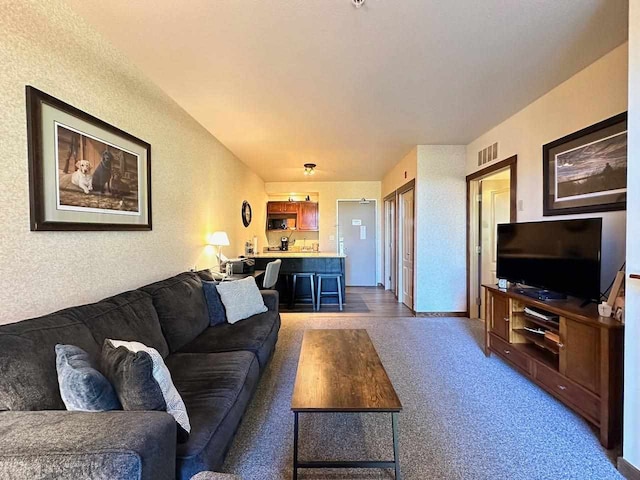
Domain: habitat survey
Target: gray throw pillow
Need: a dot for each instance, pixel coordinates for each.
(241, 299)
(131, 374)
(82, 387)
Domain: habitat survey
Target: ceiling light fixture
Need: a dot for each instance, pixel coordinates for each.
(357, 3)
(309, 168)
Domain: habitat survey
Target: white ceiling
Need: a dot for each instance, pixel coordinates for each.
(286, 82)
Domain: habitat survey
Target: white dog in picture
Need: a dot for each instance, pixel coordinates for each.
(81, 177)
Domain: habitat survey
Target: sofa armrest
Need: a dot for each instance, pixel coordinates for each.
(271, 299)
(69, 445)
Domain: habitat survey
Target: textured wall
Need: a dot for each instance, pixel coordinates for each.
(631, 435)
(198, 185)
(440, 276)
(597, 92)
(328, 193)
(395, 177)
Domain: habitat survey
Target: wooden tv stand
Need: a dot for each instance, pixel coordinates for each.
(583, 371)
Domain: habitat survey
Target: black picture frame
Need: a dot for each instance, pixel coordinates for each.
(594, 168)
(246, 213)
(125, 205)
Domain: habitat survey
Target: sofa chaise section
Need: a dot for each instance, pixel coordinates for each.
(71, 445)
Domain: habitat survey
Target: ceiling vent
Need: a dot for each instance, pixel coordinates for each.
(488, 154)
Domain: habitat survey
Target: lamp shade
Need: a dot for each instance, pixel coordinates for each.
(219, 239)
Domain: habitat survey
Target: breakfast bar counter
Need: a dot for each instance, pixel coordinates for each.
(303, 262)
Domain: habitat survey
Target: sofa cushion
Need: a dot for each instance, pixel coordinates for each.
(257, 334)
(82, 387)
(216, 387)
(28, 377)
(181, 308)
(205, 275)
(131, 374)
(128, 316)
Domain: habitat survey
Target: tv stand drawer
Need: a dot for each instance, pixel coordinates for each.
(510, 352)
(583, 400)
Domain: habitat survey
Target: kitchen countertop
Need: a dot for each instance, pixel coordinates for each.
(299, 255)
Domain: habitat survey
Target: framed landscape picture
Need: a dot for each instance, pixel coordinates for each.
(84, 174)
(586, 172)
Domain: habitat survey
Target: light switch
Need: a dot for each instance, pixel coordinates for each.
(520, 205)
(332, 238)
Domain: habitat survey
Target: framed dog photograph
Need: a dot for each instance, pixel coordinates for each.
(586, 172)
(84, 174)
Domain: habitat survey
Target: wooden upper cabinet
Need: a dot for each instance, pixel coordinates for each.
(274, 207)
(500, 316)
(308, 216)
(580, 353)
(282, 207)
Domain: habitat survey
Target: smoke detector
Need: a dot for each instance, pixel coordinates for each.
(357, 3)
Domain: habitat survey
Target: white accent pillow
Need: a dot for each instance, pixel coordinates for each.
(175, 406)
(241, 299)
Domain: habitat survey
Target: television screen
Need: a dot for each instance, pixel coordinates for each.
(561, 256)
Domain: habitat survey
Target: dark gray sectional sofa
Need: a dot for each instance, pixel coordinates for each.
(215, 369)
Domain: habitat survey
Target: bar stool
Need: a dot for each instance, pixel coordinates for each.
(312, 297)
(338, 278)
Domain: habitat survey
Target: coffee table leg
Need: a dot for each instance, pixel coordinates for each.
(295, 445)
(396, 456)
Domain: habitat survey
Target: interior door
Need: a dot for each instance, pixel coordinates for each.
(357, 227)
(390, 246)
(496, 209)
(407, 222)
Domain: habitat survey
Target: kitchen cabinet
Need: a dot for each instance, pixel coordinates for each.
(308, 216)
(305, 213)
(283, 207)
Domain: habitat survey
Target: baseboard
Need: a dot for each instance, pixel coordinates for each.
(627, 470)
(440, 314)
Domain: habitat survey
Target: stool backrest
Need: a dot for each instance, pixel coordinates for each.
(271, 274)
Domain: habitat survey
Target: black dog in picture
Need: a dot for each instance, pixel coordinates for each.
(102, 174)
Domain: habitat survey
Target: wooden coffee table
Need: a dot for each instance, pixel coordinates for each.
(340, 371)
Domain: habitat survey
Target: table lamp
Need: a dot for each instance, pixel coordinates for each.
(219, 239)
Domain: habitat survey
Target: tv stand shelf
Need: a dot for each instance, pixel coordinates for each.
(583, 370)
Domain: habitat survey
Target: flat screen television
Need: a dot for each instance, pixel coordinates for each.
(561, 256)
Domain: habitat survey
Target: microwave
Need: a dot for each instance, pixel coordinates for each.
(281, 223)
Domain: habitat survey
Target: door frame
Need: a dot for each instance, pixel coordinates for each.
(375, 228)
(392, 275)
(396, 258)
(473, 214)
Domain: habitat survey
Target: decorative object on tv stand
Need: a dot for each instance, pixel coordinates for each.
(219, 239)
(309, 168)
(586, 171)
(84, 174)
(246, 213)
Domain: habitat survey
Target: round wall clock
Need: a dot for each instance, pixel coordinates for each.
(246, 213)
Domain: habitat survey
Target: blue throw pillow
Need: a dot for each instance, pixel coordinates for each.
(82, 387)
(217, 312)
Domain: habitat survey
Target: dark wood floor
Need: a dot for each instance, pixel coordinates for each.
(360, 301)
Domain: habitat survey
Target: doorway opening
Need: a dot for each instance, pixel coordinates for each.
(399, 244)
(390, 275)
(357, 240)
(491, 200)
